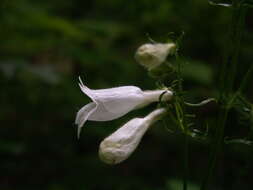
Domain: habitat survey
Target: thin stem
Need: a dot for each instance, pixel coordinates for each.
(182, 123)
(186, 158)
(217, 144)
(180, 112)
(242, 86)
(246, 79)
(227, 79)
(231, 52)
(239, 19)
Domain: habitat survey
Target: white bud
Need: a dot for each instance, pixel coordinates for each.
(121, 144)
(152, 55)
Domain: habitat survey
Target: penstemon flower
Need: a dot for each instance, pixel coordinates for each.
(152, 55)
(112, 103)
(121, 144)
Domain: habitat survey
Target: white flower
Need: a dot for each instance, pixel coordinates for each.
(152, 55)
(112, 103)
(121, 144)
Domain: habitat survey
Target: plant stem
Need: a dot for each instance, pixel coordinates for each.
(180, 111)
(227, 79)
(186, 158)
(237, 30)
(231, 52)
(216, 147)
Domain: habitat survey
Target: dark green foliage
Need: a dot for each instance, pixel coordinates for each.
(46, 45)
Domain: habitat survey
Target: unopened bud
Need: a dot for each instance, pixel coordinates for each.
(152, 55)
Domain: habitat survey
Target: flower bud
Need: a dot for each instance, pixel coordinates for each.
(152, 55)
(121, 144)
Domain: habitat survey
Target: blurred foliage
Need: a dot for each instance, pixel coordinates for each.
(46, 45)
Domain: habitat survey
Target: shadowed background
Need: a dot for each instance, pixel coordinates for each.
(46, 45)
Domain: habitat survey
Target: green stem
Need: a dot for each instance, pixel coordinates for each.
(246, 80)
(243, 85)
(180, 112)
(238, 19)
(227, 80)
(217, 144)
(231, 52)
(186, 158)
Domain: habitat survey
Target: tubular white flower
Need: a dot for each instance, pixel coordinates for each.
(152, 55)
(121, 144)
(112, 103)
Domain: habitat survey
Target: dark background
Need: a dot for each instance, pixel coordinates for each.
(46, 45)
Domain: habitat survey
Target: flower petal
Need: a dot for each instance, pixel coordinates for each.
(83, 115)
(119, 99)
(86, 90)
(103, 114)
